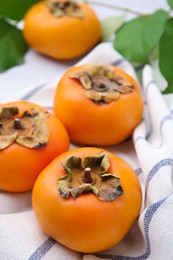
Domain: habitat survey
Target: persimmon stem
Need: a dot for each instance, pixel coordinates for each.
(87, 175)
(17, 123)
(109, 5)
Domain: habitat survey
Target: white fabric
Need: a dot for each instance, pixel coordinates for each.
(149, 152)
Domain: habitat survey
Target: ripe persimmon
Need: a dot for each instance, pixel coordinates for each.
(98, 104)
(61, 29)
(30, 138)
(87, 199)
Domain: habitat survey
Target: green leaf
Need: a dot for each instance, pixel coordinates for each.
(166, 54)
(170, 2)
(154, 28)
(168, 90)
(15, 9)
(154, 54)
(110, 26)
(136, 39)
(12, 46)
(129, 40)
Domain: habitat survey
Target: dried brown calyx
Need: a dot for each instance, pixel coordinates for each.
(89, 176)
(65, 8)
(28, 130)
(101, 83)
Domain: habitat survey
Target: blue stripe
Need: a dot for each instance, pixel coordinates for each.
(166, 118)
(138, 171)
(154, 170)
(150, 211)
(33, 91)
(139, 138)
(42, 249)
(162, 123)
(118, 62)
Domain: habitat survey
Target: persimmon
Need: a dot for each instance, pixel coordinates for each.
(98, 104)
(61, 29)
(30, 138)
(87, 199)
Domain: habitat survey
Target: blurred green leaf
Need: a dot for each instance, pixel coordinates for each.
(129, 41)
(15, 9)
(12, 46)
(110, 26)
(136, 39)
(170, 2)
(154, 54)
(168, 90)
(154, 27)
(166, 54)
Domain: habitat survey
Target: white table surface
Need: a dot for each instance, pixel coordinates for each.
(38, 69)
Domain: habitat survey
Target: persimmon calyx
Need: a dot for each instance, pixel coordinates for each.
(28, 130)
(65, 8)
(101, 84)
(89, 176)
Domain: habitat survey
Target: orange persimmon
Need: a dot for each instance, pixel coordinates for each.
(30, 138)
(98, 104)
(61, 29)
(87, 199)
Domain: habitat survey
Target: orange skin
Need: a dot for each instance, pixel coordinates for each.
(20, 166)
(61, 38)
(89, 123)
(86, 224)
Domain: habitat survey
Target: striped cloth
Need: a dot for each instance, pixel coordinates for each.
(149, 152)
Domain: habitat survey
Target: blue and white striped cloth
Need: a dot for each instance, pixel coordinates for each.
(149, 152)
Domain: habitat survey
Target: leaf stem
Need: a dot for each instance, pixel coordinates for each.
(87, 175)
(17, 123)
(109, 5)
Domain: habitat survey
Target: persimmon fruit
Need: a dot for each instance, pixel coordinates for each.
(87, 213)
(61, 29)
(98, 104)
(30, 138)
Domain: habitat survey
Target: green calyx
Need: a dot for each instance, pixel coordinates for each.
(64, 8)
(89, 176)
(101, 84)
(28, 130)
